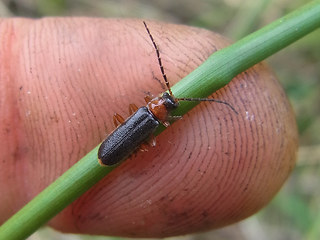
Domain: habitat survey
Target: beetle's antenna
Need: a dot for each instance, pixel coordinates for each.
(168, 84)
(159, 59)
(207, 100)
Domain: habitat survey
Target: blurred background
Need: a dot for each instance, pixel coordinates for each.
(295, 212)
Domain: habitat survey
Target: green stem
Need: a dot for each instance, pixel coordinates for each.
(214, 73)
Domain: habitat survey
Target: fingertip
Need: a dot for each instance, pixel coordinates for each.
(209, 169)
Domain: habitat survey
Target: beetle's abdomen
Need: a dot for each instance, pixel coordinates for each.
(127, 137)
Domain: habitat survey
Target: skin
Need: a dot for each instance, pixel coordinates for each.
(63, 79)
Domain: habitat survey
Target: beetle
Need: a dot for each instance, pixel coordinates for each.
(131, 133)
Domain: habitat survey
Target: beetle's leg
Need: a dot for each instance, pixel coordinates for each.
(166, 124)
(143, 147)
(117, 119)
(152, 141)
(132, 108)
(174, 118)
(147, 99)
(171, 118)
